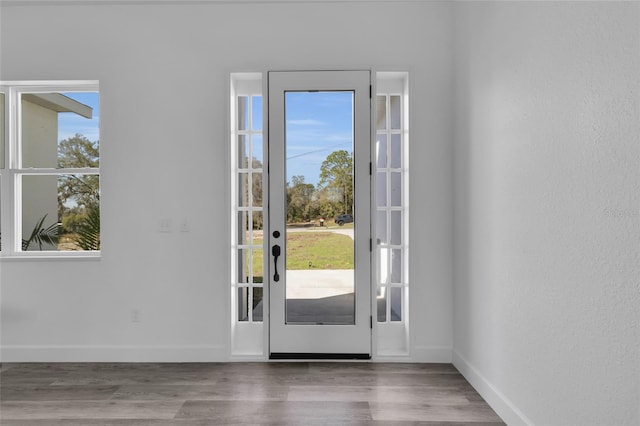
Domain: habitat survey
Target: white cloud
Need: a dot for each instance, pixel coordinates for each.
(306, 122)
(345, 137)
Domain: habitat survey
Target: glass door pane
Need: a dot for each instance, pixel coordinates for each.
(319, 138)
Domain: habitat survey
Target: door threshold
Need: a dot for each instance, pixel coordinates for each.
(293, 355)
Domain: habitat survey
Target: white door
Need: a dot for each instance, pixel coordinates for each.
(319, 214)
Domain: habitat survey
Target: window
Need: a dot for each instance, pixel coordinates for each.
(391, 192)
(51, 169)
(247, 158)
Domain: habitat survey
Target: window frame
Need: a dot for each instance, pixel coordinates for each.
(12, 171)
(248, 337)
(392, 335)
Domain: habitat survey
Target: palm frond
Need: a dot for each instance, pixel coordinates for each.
(41, 235)
(88, 235)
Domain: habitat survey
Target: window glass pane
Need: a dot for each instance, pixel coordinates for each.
(256, 153)
(61, 212)
(243, 266)
(396, 227)
(381, 300)
(248, 271)
(60, 130)
(396, 266)
(243, 190)
(243, 304)
(381, 227)
(243, 112)
(313, 119)
(258, 224)
(258, 273)
(79, 211)
(396, 189)
(381, 189)
(257, 304)
(394, 105)
(396, 303)
(243, 226)
(256, 189)
(381, 151)
(256, 113)
(243, 152)
(1, 130)
(384, 265)
(381, 112)
(396, 151)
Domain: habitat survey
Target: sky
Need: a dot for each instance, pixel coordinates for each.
(317, 123)
(70, 123)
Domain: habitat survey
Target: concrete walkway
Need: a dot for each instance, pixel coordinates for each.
(319, 283)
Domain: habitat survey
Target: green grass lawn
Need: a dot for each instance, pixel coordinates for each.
(324, 250)
(332, 225)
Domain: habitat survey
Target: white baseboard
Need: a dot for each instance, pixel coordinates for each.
(78, 353)
(193, 353)
(496, 399)
(248, 358)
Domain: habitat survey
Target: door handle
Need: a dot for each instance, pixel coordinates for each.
(275, 252)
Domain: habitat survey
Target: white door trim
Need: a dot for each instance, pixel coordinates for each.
(321, 339)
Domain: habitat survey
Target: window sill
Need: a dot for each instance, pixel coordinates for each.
(49, 258)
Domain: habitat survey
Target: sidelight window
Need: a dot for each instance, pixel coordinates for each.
(247, 216)
(391, 202)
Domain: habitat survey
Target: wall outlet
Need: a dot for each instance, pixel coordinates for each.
(185, 226)
(166, 226)
(136, 316)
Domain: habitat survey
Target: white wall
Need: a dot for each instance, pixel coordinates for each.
(163, 71)
(547, 209)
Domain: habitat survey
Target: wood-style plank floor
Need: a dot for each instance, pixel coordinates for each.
(288, 393)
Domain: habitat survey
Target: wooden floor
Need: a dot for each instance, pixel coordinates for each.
(289, 393)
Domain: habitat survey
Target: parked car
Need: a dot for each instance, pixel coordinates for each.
(344, 218)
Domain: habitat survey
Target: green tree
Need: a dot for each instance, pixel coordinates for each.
(82, 190)
(256, 190)
(336, 178)
(78, 152)
(327, 208)
(299, 198)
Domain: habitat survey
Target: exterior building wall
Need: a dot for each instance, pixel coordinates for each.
(40, 149)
